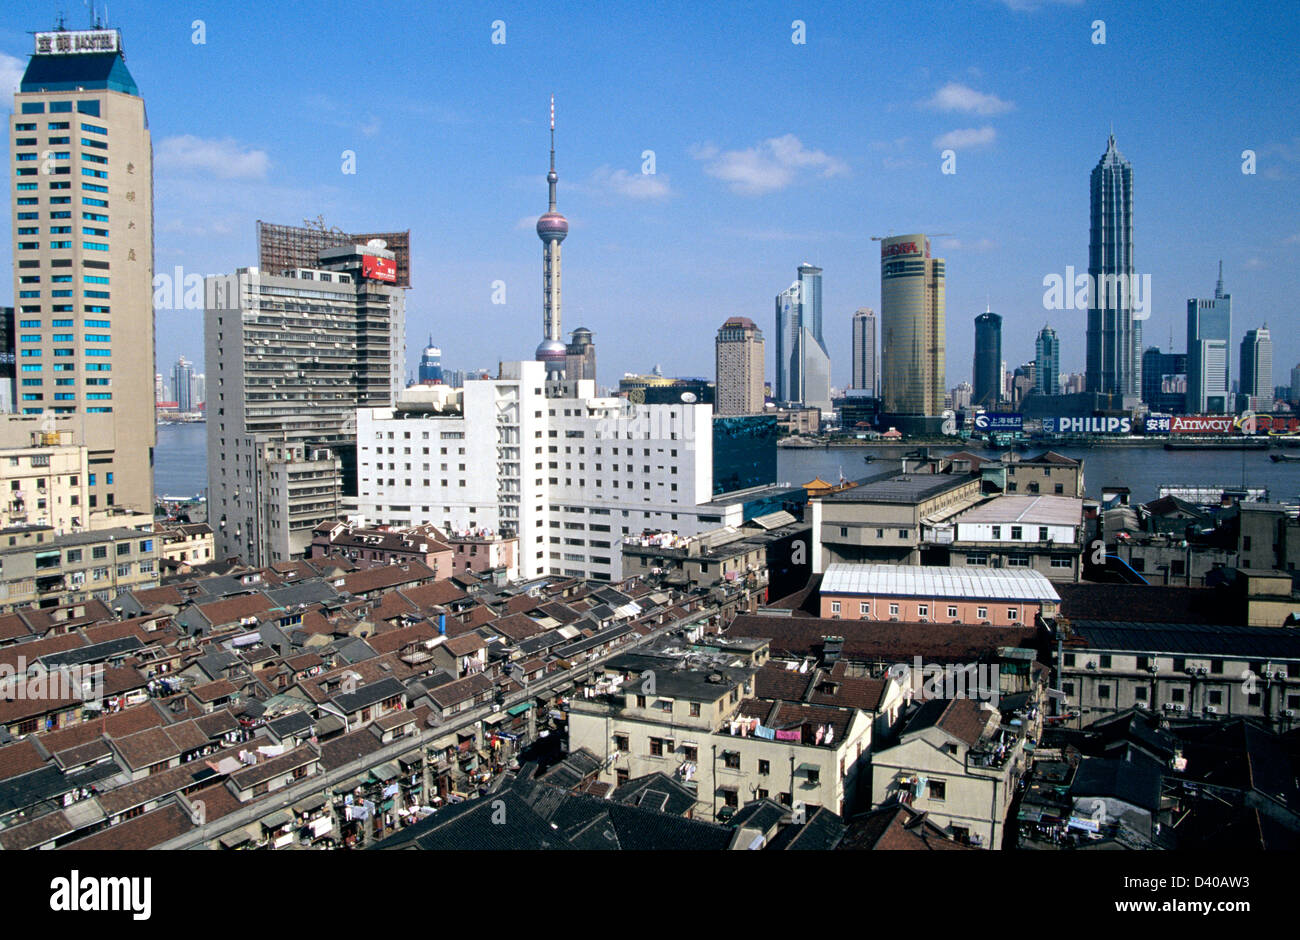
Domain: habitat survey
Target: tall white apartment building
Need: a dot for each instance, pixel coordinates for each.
(568, 472)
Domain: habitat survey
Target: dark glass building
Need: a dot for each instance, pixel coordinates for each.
(744, 452)
(988, 361)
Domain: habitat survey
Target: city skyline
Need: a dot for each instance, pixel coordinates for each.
(774, 189)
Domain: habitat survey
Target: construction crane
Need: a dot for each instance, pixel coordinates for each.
(881, 238)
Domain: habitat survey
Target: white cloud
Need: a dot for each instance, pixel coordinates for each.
(225, 159)
(966, 138)
(955, 96)
(630, 185)
(1253, 264)
(11, 73)
(774, 164)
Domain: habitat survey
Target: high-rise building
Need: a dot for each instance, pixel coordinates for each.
(7, 338)
(989, 367)
(289, 247)
(294, 356)
(430, 368)
(787, 331)
(580, 355)
(803, 364)
(1047, 357)
(911, 333)
(1256, 393)
(1164, 381)
(199, 390)
(182, 382)
(1114, 337)
(1295, 384)
(866, 373)
(1209, 331)
(552, 227)
(85, 339)
(740, 359)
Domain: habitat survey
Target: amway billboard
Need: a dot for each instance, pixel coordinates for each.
(999, 421)
(1092, 425)
(1201, 424)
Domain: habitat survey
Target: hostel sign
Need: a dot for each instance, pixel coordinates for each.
(71, 42)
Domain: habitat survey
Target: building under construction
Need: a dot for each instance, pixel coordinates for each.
(283, 247)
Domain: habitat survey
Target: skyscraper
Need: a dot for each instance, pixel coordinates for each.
(429, 371)
(1047, 357)
(182, 382)
(551, 229)
(865, 370)
(1256, 392)
(1114, 338)
(580, 355)
(911, 333)
(85, 338)
(787, 332)
(1209, 328)
(988, 361)
(803, 363)
(295, 355)
(1164, 381)
(740, 356)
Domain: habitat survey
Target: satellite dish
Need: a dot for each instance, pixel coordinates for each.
(688, 397)
(376, 243)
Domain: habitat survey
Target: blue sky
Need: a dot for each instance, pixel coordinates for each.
(767, 153)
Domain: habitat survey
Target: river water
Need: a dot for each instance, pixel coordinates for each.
(181, 465)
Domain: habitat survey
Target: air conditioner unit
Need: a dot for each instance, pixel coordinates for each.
(1211, 710)
(1092, 664)
(1289, 713)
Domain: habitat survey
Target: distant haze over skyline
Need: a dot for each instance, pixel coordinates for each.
(779, 158)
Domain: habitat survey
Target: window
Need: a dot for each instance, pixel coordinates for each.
(621, 742)
(835, 607)
(1103, 692)
(923, 610)
(695, 709)
(982, 613)
(731, 759)
(1013, 614)
(814, 775)
(893, 610)
(1016, 533)
(952, 612)
(656, 747)
(764, 768)
(936, 789)
(864, 608)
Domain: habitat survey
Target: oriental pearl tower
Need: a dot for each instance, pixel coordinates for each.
(551, 229)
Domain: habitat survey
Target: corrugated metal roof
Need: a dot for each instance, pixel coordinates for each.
(1041, 510)
(924, 581)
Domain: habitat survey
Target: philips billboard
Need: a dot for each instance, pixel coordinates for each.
(1093, 425)
(999, 421)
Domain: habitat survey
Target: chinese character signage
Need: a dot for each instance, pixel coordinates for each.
(70, 42)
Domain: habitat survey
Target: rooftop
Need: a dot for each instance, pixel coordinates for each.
(935, 581)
